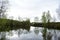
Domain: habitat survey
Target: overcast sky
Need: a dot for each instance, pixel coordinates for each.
(32, 8)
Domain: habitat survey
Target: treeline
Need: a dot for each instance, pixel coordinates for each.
(53, 25)
(50, 25)
(8, 24)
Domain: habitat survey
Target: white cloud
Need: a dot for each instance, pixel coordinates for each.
(31, 8)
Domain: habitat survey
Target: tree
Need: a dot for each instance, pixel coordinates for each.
(58, 12)
(48, 16)
(36, 19)
(19, 18)
(4, 16)
(45, 19)
(3, 7)
(44, 24)
(54, 18)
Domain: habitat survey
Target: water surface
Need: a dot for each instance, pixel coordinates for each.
(35, 33)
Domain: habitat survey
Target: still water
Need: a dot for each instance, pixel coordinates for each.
(35, 33)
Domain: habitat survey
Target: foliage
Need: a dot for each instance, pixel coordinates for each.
(45, 20)
(7, 24)
(44, 24)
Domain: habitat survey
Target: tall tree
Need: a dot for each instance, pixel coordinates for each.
(44, 24)
(45, 19)
(3, 7)
(58, 12)
(48, 16)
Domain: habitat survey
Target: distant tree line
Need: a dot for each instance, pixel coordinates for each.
(7, 24)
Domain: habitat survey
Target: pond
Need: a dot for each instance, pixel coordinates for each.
(35, 33)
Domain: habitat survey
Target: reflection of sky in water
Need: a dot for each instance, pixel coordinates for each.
(25, 35)
(33, 34)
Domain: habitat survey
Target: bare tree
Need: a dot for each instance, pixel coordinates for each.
(3, 7)
(48, 16)
(58, 12)
(36, 19)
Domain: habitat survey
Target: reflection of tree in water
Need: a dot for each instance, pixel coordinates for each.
(3, 35)
(44, 32)
(55, 35)
(46, 18)
(20, 31)
(59, 38)
(49, 36)
(58, 34)
(36, 30)
(10, 33)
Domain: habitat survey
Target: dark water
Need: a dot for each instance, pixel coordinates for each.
(34, 33)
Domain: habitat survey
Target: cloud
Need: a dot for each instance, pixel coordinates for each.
(31, 8)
